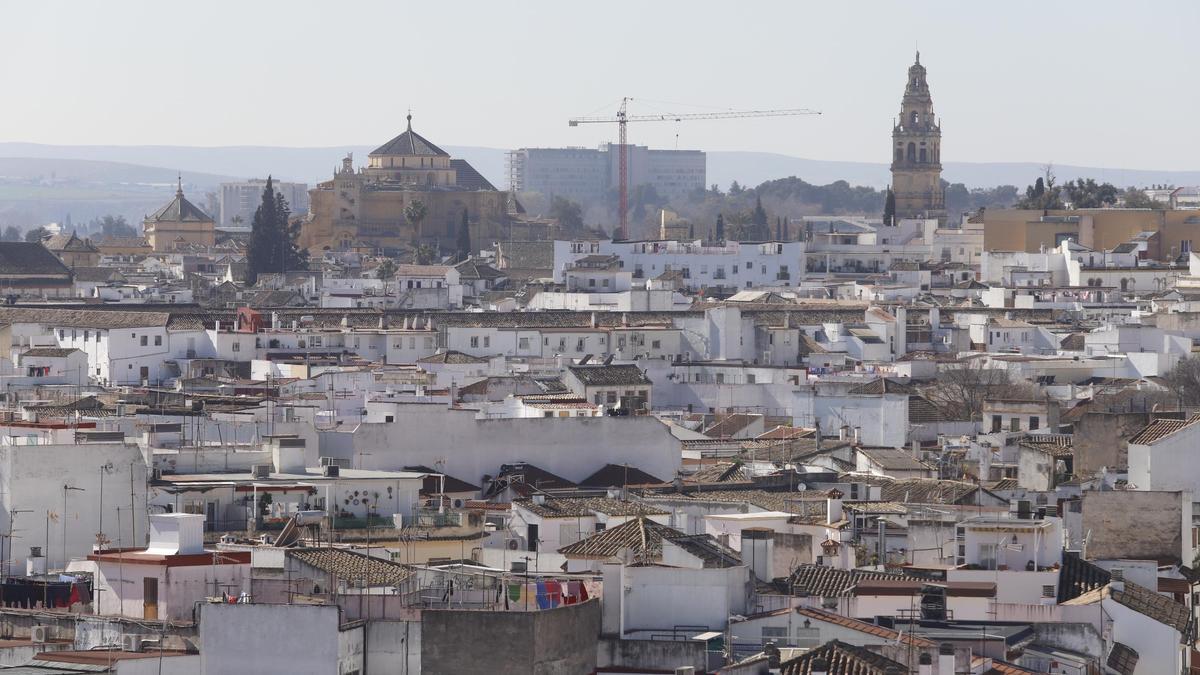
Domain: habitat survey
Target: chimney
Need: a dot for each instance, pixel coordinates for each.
(915, 445)
(833, 505)
(945, 659)
(925, 664)
(857, 434)
(842, 432)
(595, 320)
(539, 499)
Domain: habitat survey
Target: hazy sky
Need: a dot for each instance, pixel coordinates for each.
(1100, 83)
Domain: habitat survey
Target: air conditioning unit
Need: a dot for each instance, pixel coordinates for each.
(131, 643)
(260, 471)
(330, 471)
(39, 634)
(266, 540)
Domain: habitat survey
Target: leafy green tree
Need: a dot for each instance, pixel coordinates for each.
(569, 214)
(1088, 194)
(385, 272)
(11, 233)
(426, 255)
(1134, 198)
(414, 213)
(272, 246)
(116, 227)
(36, 234)
(463, 242)
(1044, 194)
(735, 188)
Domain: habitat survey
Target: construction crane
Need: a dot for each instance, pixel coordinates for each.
(623, 117)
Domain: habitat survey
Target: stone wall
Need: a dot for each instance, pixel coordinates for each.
(549, 642)
(1134, 524)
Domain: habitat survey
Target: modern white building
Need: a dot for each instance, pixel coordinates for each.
(238, 201)
(587, 175)
(729, 265)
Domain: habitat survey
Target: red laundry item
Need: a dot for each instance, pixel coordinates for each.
(74, 595)
(583, 594)
(554, 591)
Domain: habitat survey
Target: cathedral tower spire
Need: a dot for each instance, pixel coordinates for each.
(916, 151)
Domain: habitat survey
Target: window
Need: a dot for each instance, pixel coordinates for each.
(656, 344)
(237, 346)
(604, 283)
(389, 418)
(62, 334)
(474, 341)
(720, 378)
(750, 378)
(157, 340)
(87, 335)
(1014, 424)
(987, 556)
(749, 265)
(1034, 423)
(487, 341)
(591, 283)
(997, 421)
(1048, 591)
(144, 340)
(523, 343)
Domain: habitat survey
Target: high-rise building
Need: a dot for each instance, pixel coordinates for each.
(241, 200)
(917, 152)
(589, 176)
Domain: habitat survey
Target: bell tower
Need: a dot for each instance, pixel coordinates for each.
(917, 152)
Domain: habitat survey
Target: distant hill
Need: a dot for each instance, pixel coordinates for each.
(40, 183)
(748, 168)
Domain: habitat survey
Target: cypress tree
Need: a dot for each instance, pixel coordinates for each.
(463, 244)
(720, 227)
(272, 246)
(889, 208)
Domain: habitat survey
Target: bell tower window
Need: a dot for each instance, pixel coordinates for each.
(922, 160)
(912, 152)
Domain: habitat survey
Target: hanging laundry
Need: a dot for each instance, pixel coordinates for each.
(543, 600)
(554, 593)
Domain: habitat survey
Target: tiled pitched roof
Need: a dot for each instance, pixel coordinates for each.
(410, 143)
(98, 274)
(887, 634)
(467, 177)
(609, 376)
(1158, 607)
(351, 567)
(842, 658)
(1122, 658)
(433, 483)
(1056, 445)
(642, 536)
(70, 243)
(179, 210)
(920, 490)
(891, 459)
(618, 475)
(730, 425)
(83, 318)
(882, 385)
(1160, 429)
(576, 507)
(451, 356)
(29, 259)
(708, 549)
(721, 472)
(49, 352)
(829, 582)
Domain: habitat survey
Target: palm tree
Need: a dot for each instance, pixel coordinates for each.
(385, 273)
(414, 213)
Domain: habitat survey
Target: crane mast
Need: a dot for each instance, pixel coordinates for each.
(622, 118)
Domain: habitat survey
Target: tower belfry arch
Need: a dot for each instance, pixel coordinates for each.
(917, 151)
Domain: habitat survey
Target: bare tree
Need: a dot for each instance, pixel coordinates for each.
(1183, 381)
(962, 388)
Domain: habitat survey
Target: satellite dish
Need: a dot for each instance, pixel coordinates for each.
(801, 487)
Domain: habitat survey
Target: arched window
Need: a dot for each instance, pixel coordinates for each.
(915, 118)
(912, 152)
(899, 155)
(922, 155)
(1124, 283)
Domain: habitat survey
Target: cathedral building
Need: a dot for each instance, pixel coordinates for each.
(178, 225)
(917, 152)
(368, 207)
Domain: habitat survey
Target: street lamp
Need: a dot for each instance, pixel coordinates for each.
(66, 488)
